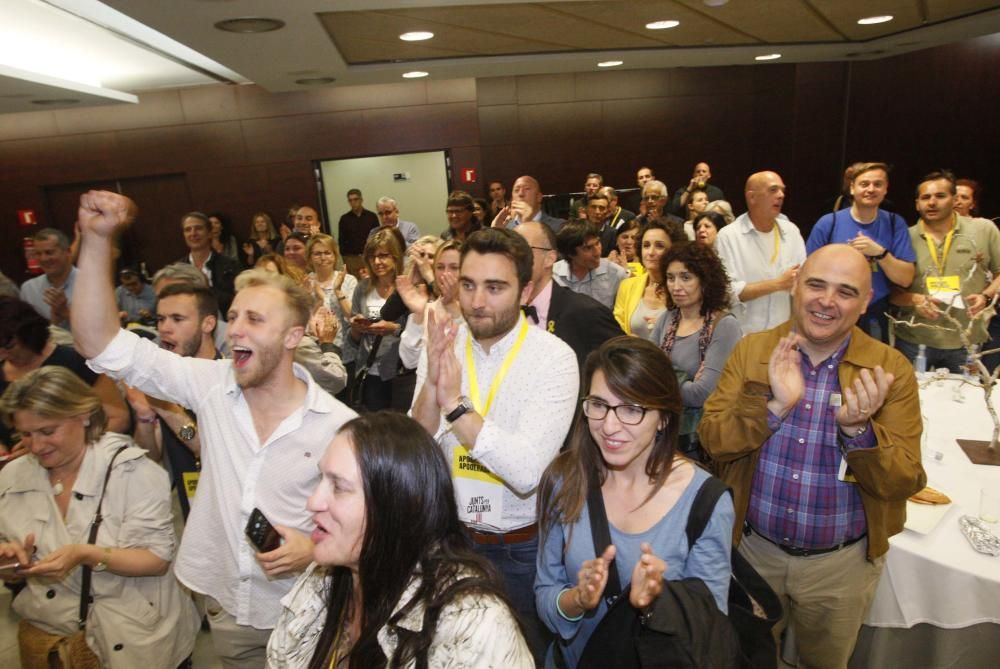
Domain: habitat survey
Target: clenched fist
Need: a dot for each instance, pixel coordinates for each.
(102, 212)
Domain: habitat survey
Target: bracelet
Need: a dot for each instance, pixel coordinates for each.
(559, 609)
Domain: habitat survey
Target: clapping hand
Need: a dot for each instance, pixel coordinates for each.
(784, 374)
(866, 245)
(647, 578)
(863, 400)
(413, 296)
(592, 578)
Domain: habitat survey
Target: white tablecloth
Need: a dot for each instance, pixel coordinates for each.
(938, 578)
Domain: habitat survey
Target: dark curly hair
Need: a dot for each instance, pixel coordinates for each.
(702, 261)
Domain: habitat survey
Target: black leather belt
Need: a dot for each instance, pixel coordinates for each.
(806, 552)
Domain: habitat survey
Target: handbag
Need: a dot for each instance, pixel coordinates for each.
(356, 398)
(37, 646)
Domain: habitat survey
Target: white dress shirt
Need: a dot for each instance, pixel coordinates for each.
(528, 420)
(238, 472)
(746, 253)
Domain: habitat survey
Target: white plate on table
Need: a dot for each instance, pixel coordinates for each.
(923, 518)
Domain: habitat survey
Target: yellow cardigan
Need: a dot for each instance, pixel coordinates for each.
(629, 295)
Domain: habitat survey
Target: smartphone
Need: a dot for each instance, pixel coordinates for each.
(261, 533)
(11, 567)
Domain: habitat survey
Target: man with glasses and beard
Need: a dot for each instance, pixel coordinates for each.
(263, 419)
(499, 396)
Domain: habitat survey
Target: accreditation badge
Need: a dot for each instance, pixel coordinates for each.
(478, 491)
(190, 483)
(943, 285)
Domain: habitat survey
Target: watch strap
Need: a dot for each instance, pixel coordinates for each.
(464, 407)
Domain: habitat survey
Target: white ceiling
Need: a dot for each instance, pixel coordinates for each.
(101, 53)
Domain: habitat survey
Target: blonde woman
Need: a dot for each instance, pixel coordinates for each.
(264, 239)
(333, 286)
(49, 500)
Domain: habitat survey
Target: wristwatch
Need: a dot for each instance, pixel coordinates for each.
(464, 407)
(884, 253)
(187, 432)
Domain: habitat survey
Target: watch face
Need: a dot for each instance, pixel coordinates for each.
(186, 432)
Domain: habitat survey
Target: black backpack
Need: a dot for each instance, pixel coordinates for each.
(685, 627)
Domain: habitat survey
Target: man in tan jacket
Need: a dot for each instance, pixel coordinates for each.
(816, 426)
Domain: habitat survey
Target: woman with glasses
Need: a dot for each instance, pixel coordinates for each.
(373, 343)
(623, 442)
(332, 285)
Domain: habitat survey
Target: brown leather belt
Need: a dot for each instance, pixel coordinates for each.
(518, 536)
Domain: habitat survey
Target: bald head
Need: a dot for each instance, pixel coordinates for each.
(765, 193)
(542, 241)
(526, 189)
(832, 289)
(851, 262)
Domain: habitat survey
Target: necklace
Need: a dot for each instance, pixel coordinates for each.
(57, 487)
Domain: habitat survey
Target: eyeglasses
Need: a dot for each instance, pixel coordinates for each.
(543, 249)
(456, 212)
(627, 414)
(654, 197)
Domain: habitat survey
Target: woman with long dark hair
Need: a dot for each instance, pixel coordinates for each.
(623, 443)
(697, 332)
(395, 582)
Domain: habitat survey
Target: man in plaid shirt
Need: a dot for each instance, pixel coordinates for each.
(816, 426)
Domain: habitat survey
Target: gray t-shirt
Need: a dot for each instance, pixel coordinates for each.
(685, 355)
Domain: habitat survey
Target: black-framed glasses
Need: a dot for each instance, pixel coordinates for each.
(627, 414)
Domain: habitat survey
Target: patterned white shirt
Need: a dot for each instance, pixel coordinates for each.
(238, 472)
(529, 418)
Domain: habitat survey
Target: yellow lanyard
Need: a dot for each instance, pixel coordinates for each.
(470, 364)
(932, 246)
(777, 243)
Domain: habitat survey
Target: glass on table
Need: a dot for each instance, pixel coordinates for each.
(989, 505)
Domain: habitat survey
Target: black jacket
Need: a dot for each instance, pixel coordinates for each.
(224, 270)
(580, 321)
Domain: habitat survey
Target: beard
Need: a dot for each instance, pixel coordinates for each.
(493, 325)
(261, 367)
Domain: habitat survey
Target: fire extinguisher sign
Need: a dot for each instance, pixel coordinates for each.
(29, 256)
(26, 217)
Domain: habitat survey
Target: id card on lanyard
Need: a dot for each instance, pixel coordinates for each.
(479, 491)
(942, 287)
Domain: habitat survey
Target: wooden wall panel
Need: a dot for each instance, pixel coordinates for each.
(243, 149)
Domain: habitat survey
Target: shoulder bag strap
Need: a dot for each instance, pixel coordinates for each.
(85, 598)
(601, 535)
(702, 507)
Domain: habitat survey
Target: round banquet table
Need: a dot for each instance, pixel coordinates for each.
(938, 601)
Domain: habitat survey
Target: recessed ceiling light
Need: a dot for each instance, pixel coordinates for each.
(609, 63)
(662, 25)
(56, 101)
(417, 74)
(250, 24)
(315, 81)
(416, 36)
(715, 3)
(769, 56)
(872, 20)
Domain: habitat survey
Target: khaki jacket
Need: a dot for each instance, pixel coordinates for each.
(734, 427)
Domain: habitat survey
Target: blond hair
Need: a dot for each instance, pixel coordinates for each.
(298, 299)
(54, 392)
